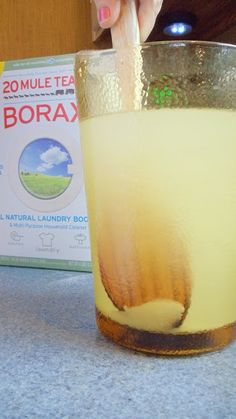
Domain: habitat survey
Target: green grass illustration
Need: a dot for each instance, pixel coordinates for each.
(44, 186)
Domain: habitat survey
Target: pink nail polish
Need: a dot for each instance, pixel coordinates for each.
(104, 14)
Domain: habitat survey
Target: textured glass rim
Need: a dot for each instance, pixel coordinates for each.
(173, 43)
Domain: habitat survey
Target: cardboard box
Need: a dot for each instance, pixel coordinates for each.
(43, 215)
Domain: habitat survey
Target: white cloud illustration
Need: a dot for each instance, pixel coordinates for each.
(52, 157)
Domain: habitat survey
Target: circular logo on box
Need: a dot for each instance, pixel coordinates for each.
(44, 168)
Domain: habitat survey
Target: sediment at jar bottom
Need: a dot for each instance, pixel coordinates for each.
(166, 343)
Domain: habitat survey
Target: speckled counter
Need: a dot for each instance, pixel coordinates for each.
(55, 364)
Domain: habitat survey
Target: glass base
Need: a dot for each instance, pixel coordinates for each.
(164, 343)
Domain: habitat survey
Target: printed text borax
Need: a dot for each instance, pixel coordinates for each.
(38, 112)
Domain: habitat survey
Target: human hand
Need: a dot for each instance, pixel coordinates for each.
(108, 12)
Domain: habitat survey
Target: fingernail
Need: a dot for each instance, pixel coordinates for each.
(104, 13)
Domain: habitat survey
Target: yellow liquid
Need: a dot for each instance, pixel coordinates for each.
(172, 168)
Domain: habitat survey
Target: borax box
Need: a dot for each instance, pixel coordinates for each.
(43, 215)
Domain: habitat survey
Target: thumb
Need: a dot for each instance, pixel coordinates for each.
(108, 12)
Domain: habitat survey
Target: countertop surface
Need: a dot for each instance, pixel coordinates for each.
(54, 363)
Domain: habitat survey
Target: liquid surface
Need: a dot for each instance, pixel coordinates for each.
(161, 190)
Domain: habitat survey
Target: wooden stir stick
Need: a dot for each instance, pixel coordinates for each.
(126, 30)
(166, 277)
(125, 35)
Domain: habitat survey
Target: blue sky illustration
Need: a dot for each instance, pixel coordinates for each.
(46, 156)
